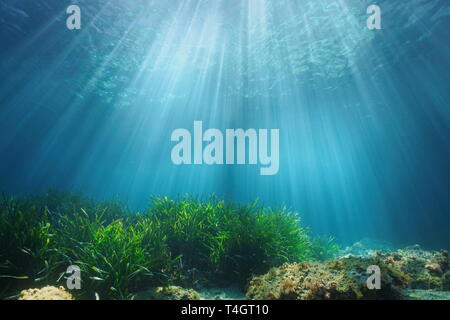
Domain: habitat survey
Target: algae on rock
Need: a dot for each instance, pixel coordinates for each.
(334, 279)
(46, 293)
(425, 269)
(169, 293)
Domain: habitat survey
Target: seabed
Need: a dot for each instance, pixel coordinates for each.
(62, 246)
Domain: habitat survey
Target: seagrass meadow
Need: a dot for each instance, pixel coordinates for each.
(122, 253)
(224, 149)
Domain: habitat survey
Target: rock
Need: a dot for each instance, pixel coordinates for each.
(434, 268)
(426, 295)
(446, 281)
(224, 293)
(46, 293)
(335, 279)
(169, 293)
(444, 260)
(367, 247)
(410, 268)
(425, 269)
(414, 247)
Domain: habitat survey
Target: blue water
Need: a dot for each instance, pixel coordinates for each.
(364, 115)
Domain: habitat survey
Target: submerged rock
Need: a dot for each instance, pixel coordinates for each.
(335, 279)
(224, 293)
(426, 295)
(410, 273)
(46, 293)
(434, 268)
(169, 293)
(425, 269)
(446, 281)
(367, 247)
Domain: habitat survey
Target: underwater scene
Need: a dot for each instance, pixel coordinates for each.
(224, 150)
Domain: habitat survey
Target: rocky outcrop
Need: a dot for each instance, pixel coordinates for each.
(46, 293)
(425, 269)
(410, 268)
(336, 279)
(169, 293)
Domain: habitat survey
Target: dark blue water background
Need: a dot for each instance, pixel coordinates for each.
(363, 114)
